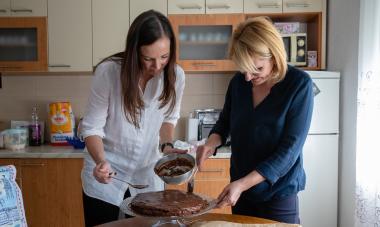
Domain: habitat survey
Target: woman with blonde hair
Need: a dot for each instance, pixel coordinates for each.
(267, 113)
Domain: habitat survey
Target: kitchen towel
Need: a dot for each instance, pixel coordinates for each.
(12, 211)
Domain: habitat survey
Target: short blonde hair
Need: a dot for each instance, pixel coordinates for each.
(258, 36)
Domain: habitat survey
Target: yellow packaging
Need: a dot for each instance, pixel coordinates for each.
(62, 123)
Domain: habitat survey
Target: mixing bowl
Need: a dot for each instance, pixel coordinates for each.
(176, 168)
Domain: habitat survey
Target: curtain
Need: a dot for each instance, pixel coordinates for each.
(368, 117)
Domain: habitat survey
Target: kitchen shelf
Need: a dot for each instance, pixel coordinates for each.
(313, 23)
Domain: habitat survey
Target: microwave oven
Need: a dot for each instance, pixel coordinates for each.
(23, 44)
(296, 48)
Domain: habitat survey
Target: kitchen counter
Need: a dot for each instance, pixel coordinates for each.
(47, 151)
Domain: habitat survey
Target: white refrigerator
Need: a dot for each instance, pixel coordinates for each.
(318, 203)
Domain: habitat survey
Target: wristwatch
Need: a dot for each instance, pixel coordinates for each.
(162, 146)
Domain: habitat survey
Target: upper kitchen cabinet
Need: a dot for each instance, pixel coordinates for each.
(297, 6)
(23, 44)
(224, 6)
(286, 6)
(110, 24)
(205, 6)
(202, 41)
(70, 35)
(23, 8)
(262, 6)
(186, 7)
(296, 19)
(139, 6)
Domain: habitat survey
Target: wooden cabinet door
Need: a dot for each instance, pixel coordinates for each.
(34, 173)
(110, 24)
(224, 6)
(29, 8)
(298, 6)
(262, 6)
(210, 181)
(202, 41)
(186, 7)
(5, 8)
(65, 192)
(139, 6)
(70, 35)
(51, 190)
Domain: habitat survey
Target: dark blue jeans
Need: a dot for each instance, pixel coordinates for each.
(283, 210)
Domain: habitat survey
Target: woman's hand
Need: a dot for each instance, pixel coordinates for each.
(102, 172)
(203, 152)
(230, 194)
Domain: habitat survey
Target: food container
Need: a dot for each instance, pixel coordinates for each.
(15, 139)
(176, 168)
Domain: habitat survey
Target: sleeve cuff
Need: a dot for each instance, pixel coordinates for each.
(172, 121)
(268, 173)
(93, 133)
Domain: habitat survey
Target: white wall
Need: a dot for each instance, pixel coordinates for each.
(342, 55)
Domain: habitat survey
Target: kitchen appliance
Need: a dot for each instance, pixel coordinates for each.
(206, 120)
(23, 44)
(296, 48)
(318, 202)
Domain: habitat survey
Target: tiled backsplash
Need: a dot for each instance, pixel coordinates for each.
(19, 94)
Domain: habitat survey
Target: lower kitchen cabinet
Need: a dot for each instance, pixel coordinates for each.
(51, 190)
(210, 181)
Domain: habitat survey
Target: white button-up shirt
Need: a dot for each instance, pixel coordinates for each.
(131, 152)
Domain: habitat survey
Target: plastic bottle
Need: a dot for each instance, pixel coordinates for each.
(34, 130)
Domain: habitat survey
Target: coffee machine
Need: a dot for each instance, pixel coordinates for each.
(206, 120)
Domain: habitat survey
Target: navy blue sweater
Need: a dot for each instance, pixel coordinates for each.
(268, 138)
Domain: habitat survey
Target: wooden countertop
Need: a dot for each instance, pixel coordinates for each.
(144, 222)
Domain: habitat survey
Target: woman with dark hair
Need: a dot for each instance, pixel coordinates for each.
(133, 107)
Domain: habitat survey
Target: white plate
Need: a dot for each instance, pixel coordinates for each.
(125, 207)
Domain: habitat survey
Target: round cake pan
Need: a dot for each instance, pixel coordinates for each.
(179, 179)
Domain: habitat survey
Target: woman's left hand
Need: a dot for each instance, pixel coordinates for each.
(230, 194)
(169, 150)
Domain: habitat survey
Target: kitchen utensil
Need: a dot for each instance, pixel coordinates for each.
(138, 186)
(176, 179)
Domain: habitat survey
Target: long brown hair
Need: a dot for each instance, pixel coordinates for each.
(146, 29)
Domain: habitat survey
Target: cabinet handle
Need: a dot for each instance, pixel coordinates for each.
(268, 5)
(59, 65)
(204, 64)
(10, 67)
(224, 6)
(3, 10)
(190, 6)
(212, 171)
(297, 5)
(21, 10)
(33, 164)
